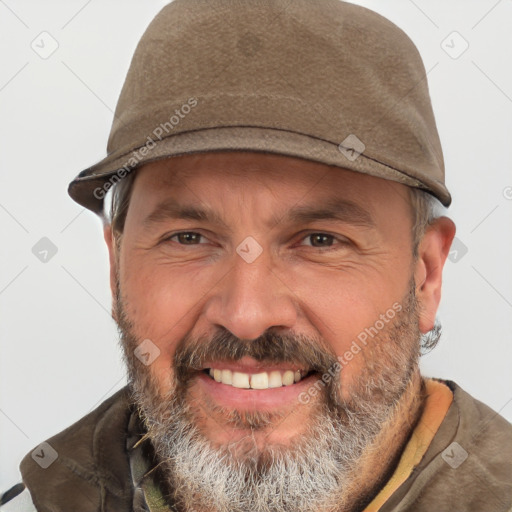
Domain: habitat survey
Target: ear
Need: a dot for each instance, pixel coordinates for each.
(109, 240)
(432, 253)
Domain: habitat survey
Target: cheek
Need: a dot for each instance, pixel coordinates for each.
(348, 309)
(160, 298)
(162, 302)
(341, 303)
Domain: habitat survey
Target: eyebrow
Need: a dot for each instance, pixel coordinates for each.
(340, 210)
(171, 209)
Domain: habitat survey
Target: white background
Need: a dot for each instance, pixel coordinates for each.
(59, 352)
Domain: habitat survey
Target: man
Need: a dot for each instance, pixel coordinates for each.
(276, 263)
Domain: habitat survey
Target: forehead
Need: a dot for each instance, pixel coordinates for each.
(227, 187)
(276, 172)
(231, 191)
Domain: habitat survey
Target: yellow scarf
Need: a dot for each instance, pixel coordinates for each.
(439, 399)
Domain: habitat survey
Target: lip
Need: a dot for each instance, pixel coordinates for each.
(249, 365)
(251, 399)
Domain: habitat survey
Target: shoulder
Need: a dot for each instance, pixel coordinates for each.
(79, 440)
(90, 455)
(468, 465)
(480, 425)
(17, 499)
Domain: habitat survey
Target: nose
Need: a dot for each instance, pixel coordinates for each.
(250, 299)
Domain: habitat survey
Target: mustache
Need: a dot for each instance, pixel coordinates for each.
(271, 347)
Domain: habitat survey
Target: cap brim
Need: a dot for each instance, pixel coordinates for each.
(90, 187)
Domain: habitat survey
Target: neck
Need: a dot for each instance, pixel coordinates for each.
(381, 458)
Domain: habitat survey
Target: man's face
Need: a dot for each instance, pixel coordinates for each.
(273, 272)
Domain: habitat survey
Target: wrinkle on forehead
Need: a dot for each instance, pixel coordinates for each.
(202, 180)
(240, 164)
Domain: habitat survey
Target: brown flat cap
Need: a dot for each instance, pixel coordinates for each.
(323, 80)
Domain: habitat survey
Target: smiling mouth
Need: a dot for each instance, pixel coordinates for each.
(260, 380)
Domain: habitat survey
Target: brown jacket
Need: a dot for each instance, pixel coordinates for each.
(92, 470)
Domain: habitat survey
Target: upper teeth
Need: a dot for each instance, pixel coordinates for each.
(263, 380)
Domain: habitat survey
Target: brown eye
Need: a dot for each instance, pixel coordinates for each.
(187, 238)
(321, 239)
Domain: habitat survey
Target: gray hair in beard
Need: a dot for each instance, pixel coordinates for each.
(315, 470)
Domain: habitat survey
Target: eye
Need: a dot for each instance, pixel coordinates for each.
(319, 240)
(186, 238)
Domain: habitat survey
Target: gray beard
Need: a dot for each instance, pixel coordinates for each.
(315, 471)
